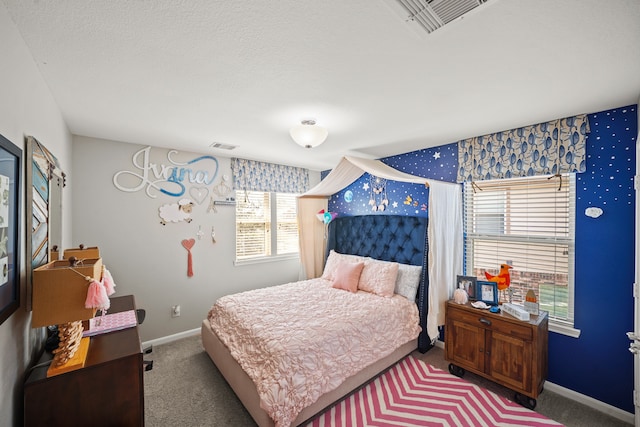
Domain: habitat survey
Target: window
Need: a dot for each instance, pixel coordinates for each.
(266, 224)
(529, 224)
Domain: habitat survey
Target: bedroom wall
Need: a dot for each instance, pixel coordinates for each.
(26, 108)
(146, 258)
(598, 363)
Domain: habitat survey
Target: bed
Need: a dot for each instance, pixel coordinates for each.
(395, 239)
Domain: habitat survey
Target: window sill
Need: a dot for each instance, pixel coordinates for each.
(266, 259)
(559, 328)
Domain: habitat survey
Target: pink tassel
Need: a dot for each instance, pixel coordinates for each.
(97, 296)
(189, 265)
(107, 281)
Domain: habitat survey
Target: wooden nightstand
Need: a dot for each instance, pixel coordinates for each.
(108, 391)
(499, 347)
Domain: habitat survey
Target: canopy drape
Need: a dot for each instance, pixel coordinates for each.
(444, 229)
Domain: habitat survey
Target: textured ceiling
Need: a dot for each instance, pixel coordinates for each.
(184, 74)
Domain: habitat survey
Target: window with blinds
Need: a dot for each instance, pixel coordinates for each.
(529, 224)
(266, 224)
(287, 231)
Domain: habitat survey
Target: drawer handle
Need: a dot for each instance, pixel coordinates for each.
(485, 321)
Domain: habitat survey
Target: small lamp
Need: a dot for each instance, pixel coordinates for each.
(307, 134)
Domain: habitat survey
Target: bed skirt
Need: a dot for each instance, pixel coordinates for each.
(246, 391)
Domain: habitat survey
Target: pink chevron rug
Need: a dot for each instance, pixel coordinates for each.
(413, 393)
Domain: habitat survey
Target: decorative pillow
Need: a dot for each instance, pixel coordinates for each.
(408, 281)
(379, 277)
(346, 276)
(334, 259)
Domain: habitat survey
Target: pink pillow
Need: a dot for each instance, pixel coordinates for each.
(379, 277)
(334, 259)
(346, 276)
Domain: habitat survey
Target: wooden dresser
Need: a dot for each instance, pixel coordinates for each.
(108, 391)
(499, 347)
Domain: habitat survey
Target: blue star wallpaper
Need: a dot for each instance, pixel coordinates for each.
(611, 160)
(369, 194)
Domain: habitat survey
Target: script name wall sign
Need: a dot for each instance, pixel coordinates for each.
(168, 179)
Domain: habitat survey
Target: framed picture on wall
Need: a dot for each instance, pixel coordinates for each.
(10, 163)
(468, 283)
(487, 292)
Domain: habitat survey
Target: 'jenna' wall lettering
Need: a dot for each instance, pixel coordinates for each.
(167, 179)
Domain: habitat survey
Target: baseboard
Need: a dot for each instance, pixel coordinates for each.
(581, 398)
(591, 402)
(171, 338)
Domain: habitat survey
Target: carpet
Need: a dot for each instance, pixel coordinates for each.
(414, 393)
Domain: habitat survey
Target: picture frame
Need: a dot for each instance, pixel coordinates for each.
(10, 216)
(487, 292)
(468, 283)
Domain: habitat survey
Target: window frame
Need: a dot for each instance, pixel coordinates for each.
(272, 231)
(560, 325)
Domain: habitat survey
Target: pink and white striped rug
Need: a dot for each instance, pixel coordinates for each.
(413, 393)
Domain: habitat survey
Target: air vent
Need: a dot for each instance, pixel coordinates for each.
(223, 146)
(434, 14)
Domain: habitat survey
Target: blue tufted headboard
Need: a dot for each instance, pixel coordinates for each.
(396, 238)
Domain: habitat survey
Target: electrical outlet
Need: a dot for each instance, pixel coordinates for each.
(175, 311)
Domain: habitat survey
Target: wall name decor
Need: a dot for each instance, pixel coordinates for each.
(167, 179)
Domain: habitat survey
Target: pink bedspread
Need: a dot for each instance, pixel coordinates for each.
(300, 340)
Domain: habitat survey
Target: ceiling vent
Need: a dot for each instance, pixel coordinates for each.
(223, 146)
(433, 14)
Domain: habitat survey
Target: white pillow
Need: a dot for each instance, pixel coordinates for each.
(334, 259)
(408, 281)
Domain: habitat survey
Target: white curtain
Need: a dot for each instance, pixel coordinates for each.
(312, 236)
(445, 249)
(444, 231)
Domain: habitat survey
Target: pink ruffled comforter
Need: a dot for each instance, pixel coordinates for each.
(300, 340)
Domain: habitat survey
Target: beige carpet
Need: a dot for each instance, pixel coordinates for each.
(185, 389)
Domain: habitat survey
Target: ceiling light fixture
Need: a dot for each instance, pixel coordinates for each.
(307, 134)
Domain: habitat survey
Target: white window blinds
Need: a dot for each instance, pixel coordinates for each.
(287, 232)
(266, 224)
(527, 223)
(253, 224)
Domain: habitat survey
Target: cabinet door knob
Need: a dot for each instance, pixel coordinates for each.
(485, 321)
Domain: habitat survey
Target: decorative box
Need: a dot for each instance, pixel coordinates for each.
(60, 291)
(82, 252)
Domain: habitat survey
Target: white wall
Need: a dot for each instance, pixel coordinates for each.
(146, 258)
(26, 108)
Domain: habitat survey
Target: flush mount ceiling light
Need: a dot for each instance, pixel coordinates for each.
(307, 134)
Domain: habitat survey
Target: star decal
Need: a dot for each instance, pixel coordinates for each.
(365, 186)
(436, 155)
(394, 204)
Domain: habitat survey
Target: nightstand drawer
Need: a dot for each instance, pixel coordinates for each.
(520, 331)
(493, 322)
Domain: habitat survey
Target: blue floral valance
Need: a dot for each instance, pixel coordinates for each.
(547, 148)
(259, 176)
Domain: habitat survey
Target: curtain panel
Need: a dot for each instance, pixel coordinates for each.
(251, 175)
(547, 148)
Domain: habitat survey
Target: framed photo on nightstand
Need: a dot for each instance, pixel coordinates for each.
(468, 283)
(487, 292)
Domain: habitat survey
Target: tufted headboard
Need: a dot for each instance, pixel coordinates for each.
(395, 238)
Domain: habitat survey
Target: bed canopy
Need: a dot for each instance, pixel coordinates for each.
(444, 229)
